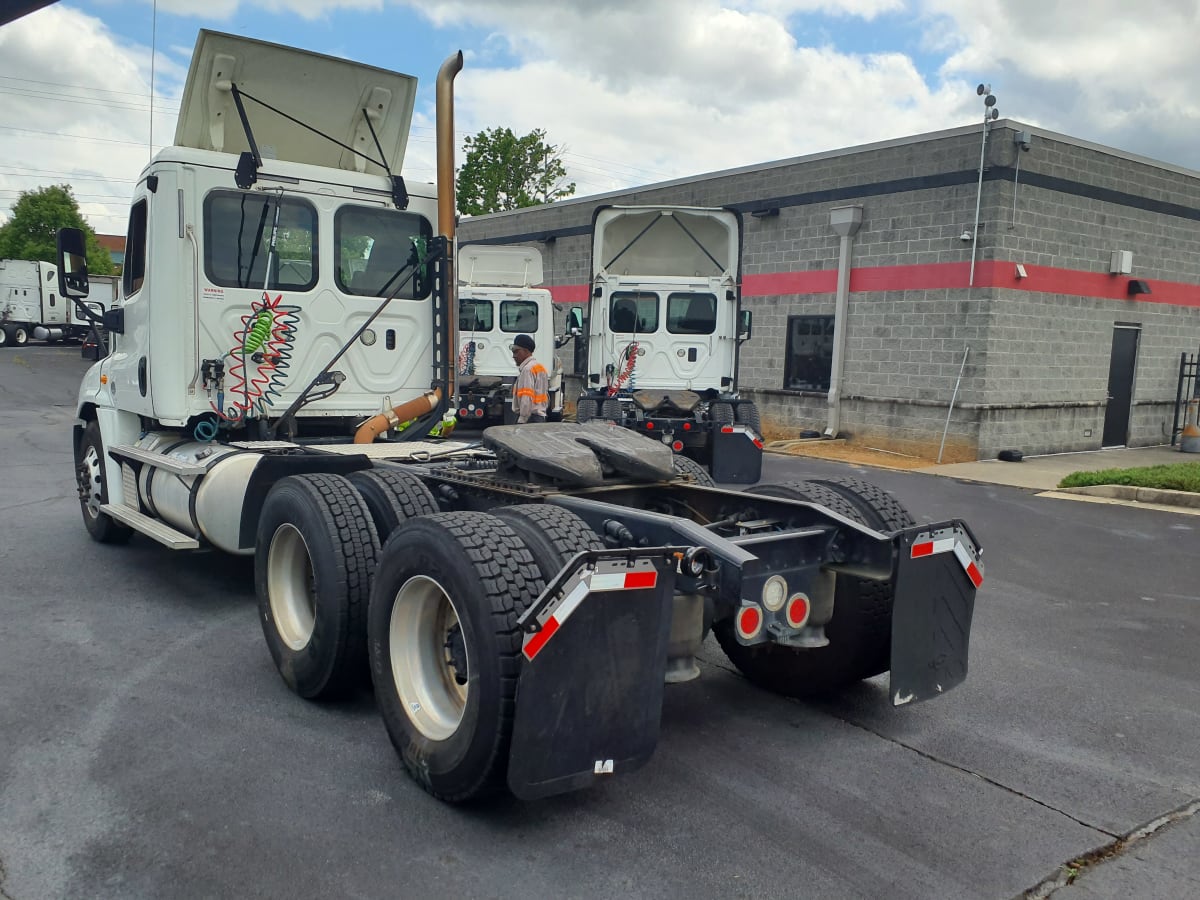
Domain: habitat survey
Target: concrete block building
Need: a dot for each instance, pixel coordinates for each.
(1046, 285)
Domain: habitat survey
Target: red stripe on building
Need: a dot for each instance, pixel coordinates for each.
(949, 276)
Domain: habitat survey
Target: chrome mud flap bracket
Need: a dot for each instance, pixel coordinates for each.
(589, 699)
(938, 571)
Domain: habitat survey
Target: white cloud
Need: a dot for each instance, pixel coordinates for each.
(639, 91)
(96, 139)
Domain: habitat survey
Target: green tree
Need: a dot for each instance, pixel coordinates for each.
(503, 172)
(32, 230)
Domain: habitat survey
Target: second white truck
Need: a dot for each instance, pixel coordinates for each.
(499, 299)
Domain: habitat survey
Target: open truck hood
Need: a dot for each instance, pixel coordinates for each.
(518, 267)
(656, 242)
(324, 92)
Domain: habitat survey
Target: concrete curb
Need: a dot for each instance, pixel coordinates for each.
(1138, 494)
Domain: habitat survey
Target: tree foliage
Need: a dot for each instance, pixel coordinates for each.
(32, 230)
(503, 172)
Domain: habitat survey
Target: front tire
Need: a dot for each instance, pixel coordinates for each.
(19, 335)
(91, 469)
(445, 647)
(316, 550)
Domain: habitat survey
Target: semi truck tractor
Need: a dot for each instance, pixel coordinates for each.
(31, 305)
(665, 326)
(498, 299)
(519, 602)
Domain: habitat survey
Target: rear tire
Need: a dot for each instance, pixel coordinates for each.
(4, 339)
(553, 534)
(446, 649)
(720, 412)
(860, 631)
(586, 409)
(91, 467)
(747, 414)
(610, 411)
(392, 496)
(685, 465)
(316, 550)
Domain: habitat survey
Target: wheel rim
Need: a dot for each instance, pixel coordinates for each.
(290, 587)
(90, 481)
(424, 645)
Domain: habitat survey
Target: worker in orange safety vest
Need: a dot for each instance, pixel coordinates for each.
(530, 393)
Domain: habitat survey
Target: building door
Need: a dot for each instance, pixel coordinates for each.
(1121, 366)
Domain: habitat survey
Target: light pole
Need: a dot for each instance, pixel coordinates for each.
(990, 113)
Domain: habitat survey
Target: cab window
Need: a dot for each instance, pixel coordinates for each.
(518, 316)
(134, 271)
(474, 314)
(375, 249)
(237, 241)
(634, 312)
(689, 313)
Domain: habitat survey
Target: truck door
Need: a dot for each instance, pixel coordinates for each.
(128, 368)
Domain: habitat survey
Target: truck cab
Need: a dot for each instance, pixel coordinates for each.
(665, 327)
(498, 298)
(256, 245)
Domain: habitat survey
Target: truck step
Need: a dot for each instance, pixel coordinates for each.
(152, 528)
(158, 460)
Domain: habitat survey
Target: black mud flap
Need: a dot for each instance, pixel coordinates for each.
(736, 455)
(937, 573)
(589, 700)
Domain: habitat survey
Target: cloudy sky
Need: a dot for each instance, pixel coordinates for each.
(633, 91)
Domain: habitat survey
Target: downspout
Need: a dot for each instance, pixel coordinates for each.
(845, 221)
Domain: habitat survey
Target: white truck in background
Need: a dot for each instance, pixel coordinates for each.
(499, 299)
(664, 330)
(31, 306)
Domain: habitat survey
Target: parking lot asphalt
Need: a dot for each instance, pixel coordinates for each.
(149, 749)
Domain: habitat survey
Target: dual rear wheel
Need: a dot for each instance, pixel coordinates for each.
(433, 611)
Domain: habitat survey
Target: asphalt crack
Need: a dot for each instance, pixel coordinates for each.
(1068, 872)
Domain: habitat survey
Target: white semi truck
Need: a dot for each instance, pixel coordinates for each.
(31, 305)
(664, 330)
(520, 601)
(499, 298)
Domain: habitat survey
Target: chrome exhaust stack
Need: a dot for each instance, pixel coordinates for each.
(447, 207)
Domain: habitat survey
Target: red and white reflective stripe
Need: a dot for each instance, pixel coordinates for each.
(950, 545)
(593, 581)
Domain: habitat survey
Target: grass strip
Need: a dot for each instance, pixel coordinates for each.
(1175, 477)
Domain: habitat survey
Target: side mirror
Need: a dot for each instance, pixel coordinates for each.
(90, 348)
(72, 263)
(575, 320)
(745, 324)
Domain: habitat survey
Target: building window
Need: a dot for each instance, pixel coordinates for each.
(809, 353)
